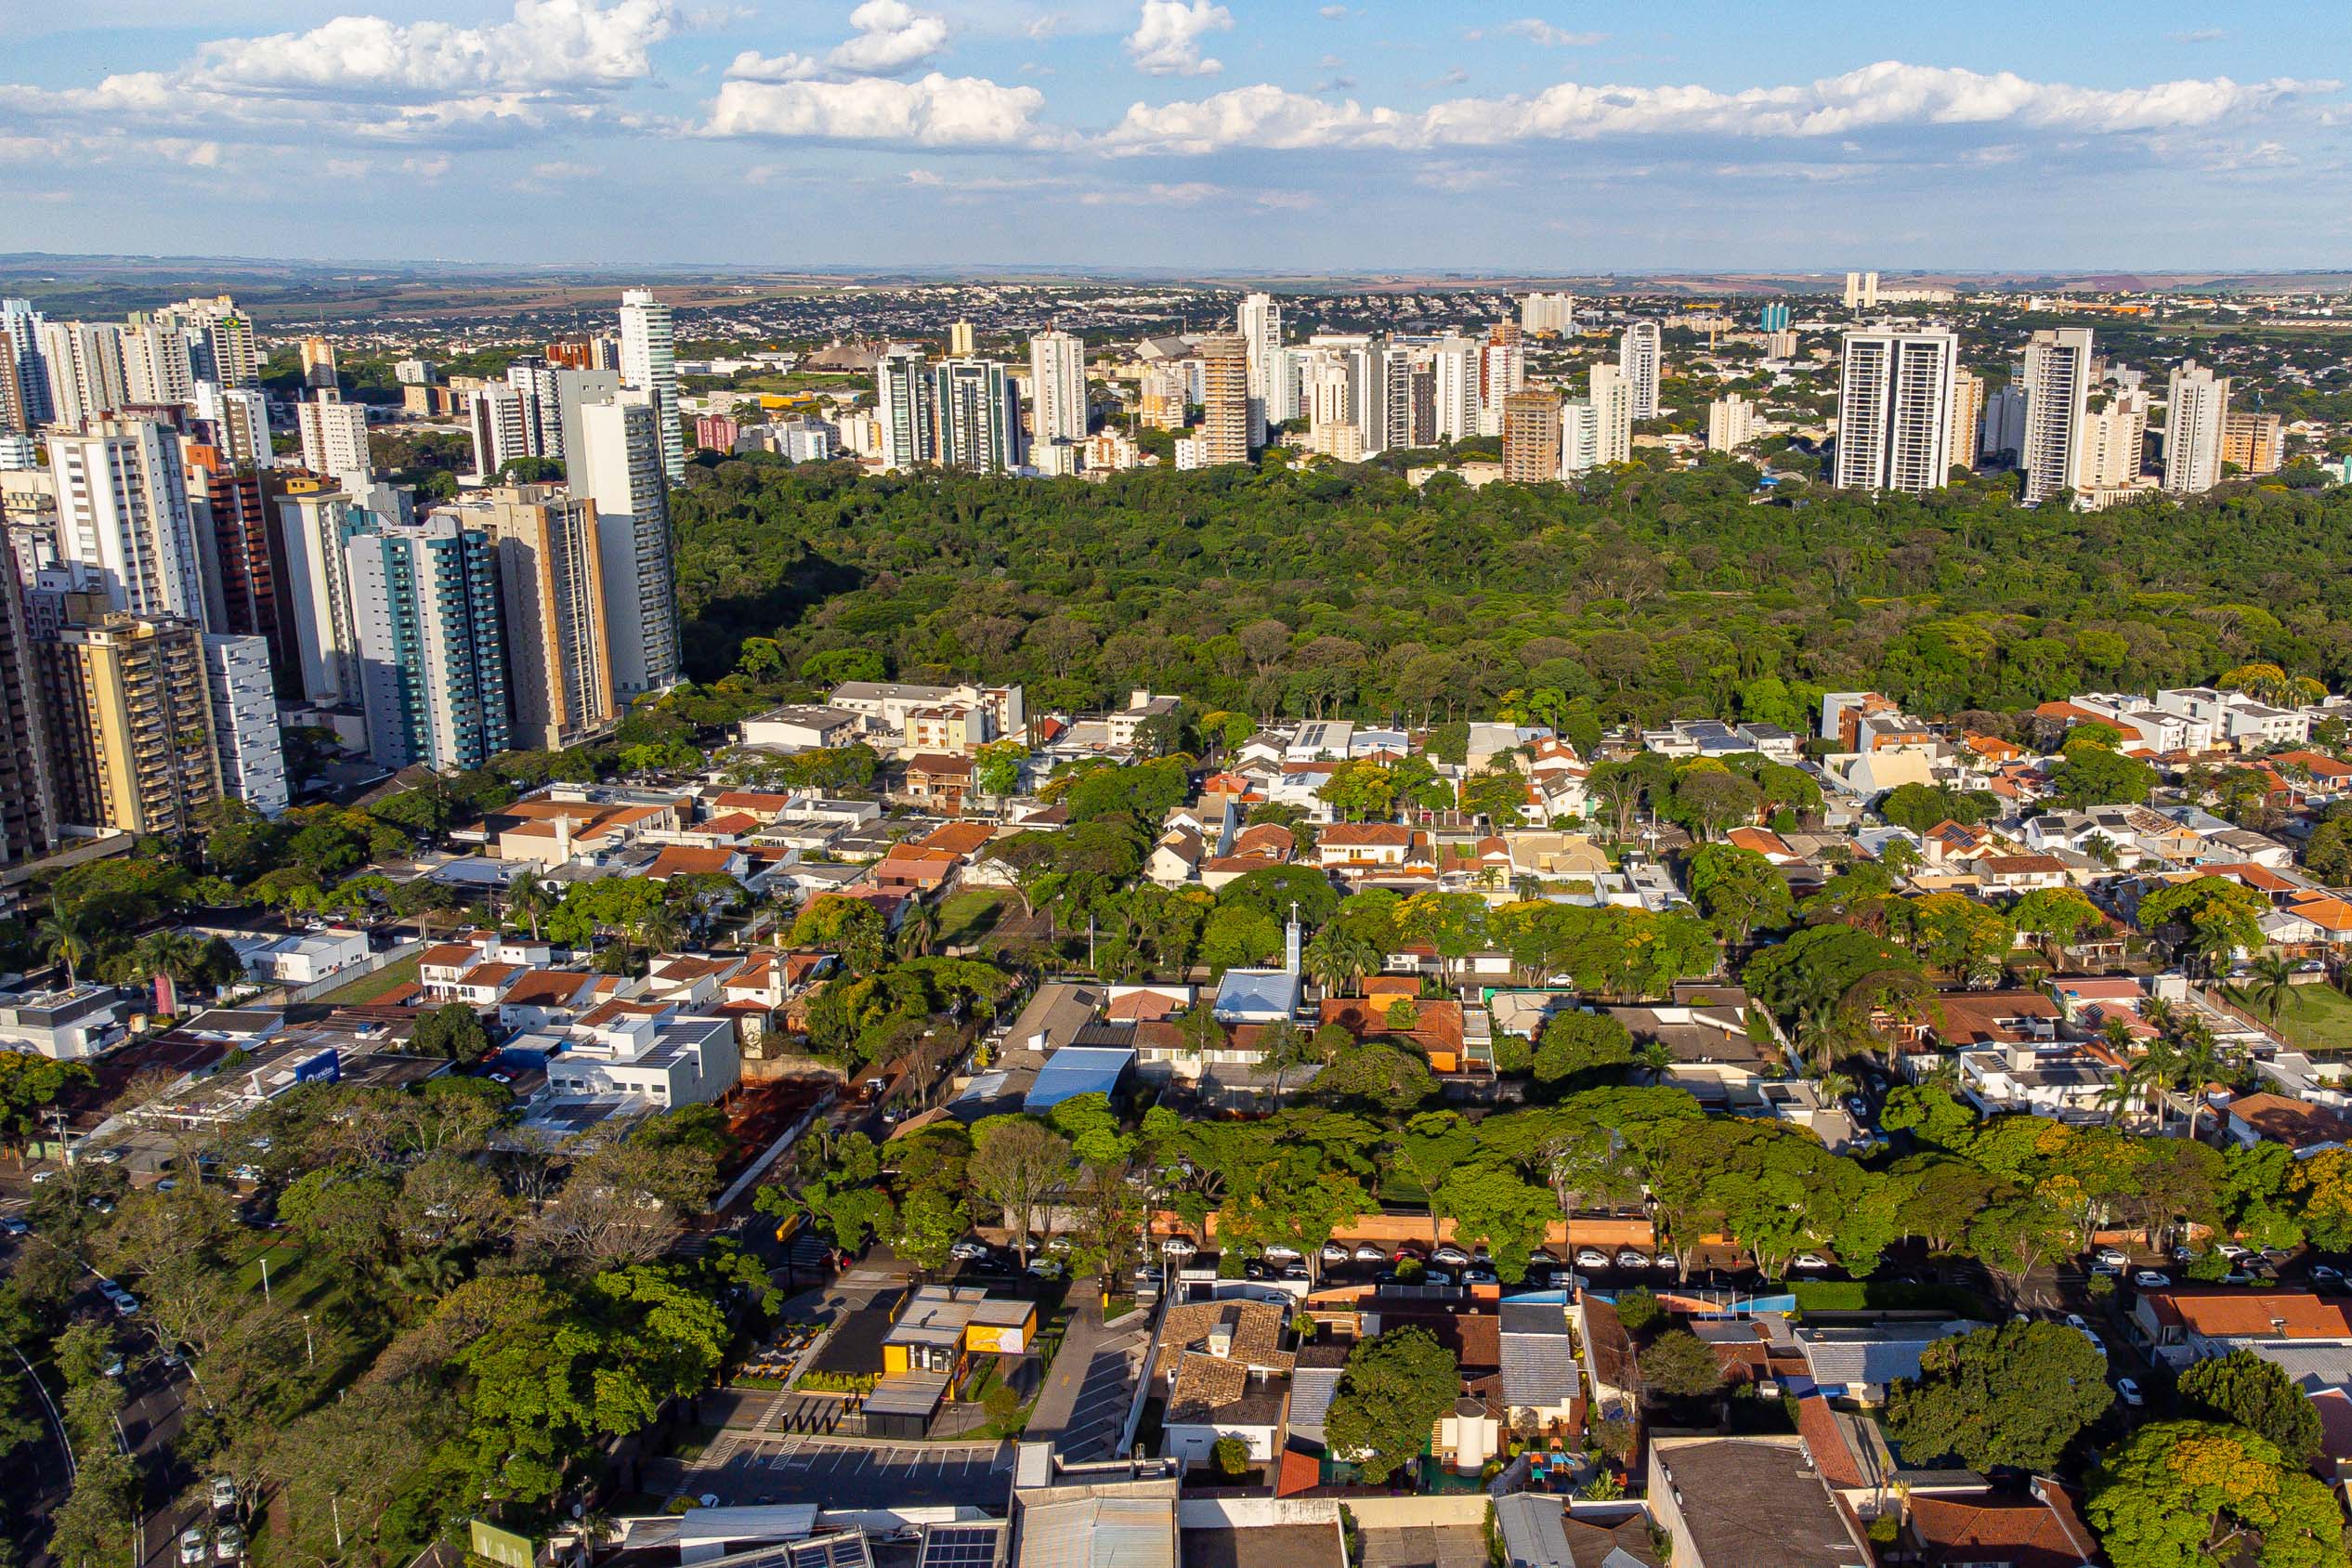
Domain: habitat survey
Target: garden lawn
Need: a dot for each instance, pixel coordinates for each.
(367, 987)
(2315, 1017)
(970, 915)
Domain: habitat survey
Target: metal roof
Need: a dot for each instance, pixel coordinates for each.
(1539, 1362)
(1099, 1532)
(1075, 1070)
(907, 1393)
(1850, 1357)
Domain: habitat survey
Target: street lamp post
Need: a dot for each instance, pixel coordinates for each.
(309, 1349)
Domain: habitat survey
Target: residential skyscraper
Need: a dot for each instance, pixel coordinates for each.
(244, 711)
(1639, 352)
(979, 417)
(315, 522)
(1773, 317)
(2251, 440)
(906, 402)
(1894, 409)
(318, 364)
(123, 525)
(232, 533)
(499, 427)
(1225, 424)
(534, 381)
(1861, 291)
(2057, 392)
(2196, 405)
(334, 440)
(619, 467)
(1548, 315)
(1967, 416)
(21, 325)
(1057, 386)
(1731, 421)
(1612, 411)
(425, 605)
(28, 800)
(158, 366)
(960, 340)
(1531, 436)
(1260, 324)
(129, 715)
(1579, 436)
(2113, 441)
(551, 581)
(238, 422)
(84, 363)
(649, 361)
(1456, 362)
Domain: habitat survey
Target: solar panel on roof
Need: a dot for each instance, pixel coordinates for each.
(960, 1546)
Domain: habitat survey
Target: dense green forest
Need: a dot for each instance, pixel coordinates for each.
(1642, 593)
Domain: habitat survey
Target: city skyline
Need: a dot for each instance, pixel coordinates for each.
(1367, 136)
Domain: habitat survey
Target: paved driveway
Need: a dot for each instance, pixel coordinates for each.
(1083, 1410)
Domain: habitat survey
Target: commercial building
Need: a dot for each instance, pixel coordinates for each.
(432, 655)
(244, 712)
(619, 468)
(1531, 436)
(1225, 424)
(1639, 352)
(551, 585)
(2057, 392)
(2197, 407)
(1057, 387)
(1894, 409)
(129, 717)
(649, 362)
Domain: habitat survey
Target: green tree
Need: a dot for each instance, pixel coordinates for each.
(1738, 889)
(1016, 1162)
(2011, 1397)
(1679, 1364)
(2179, 1494)
(1392, 1391)
(1575, 1046)
(2257, 1394)
(453, 1030)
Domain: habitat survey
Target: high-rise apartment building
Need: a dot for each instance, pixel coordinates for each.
(2251, 441)
(1455, 362)
(2057, 393)
(1732, 421)
(224, 338)
(232, 531)
(1502, 370)
(159, 368)
(906, 401)
(649, 362)
(1057, 386)
(2113, 440)
(425, 605)
(960, 340)
(235, 419)
(128, 710)
(1774, 318)
(1260, 324)
(123, 525)
(1579, 436)
(619, 468)
(334, 440)
(1531, 436)
(28, 801)
(1967, 416)
(21, 338)
(500, 428)
(1225, 424)
(551, 583)
(2197, 406)
(1548, 315)
(2004, 423)
(536, 386)
(85, 364)
(1611, 396)
(1639, 354)
(1894, 409)
(315, 522)
(979, 417)
(1861, 291)
(244, 711)
(318, 364)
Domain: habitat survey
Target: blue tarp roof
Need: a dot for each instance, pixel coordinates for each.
(1075, 1070)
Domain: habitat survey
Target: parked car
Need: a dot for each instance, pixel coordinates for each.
(13, 1224)
(1255, 1268)
(2148, 1279)
(1591, 1258)
(1437, 1277)
(1628, 1258)
(1858, 1107)
(1366, 1252)
(2321, 1274)
(1810, 1261)
(970, 1252)
(1296, 1271)
(1048, 1268)
(230, 1545)
(1406, 1255)
(1449, 1253)
(1481, 1276)
(1336, 1253)
(2096, 1343)
(2074, 1320)
(2113, 1257)
(192, 1545)
(125, 1305)
(1179, 1247)
(1278, 1253)
(2130, 1391)
(41, 1176)
(224, 1494)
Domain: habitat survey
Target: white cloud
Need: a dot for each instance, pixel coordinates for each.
(1889, 93)
(1168, 33)
(1537, 30)
(559, 169)
(753, 66)
(932, 111)
(2199, 35)
(1334, 13)
(365, 78)
(891, 37)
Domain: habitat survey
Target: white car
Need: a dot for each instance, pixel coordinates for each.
(2096, 1343)
(1809, 1261)
(1371, 1252)
(2130, 1391)
(224, 1494)
(969, 1252)
(1336, 1253)
(1629, 1258)
(41, 1176)
(193, 1548)
(2074, 1321)
(230, 1545)
(2148, 1279)
(1048, 1268)
(1591, 1258)
(2113, 1257)
(1179, 1247)
(1278, 1253)
(1449, 1253)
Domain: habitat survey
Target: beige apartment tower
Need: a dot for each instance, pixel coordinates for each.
(130, 719)
(552, 588)
(1224, 421)
(1531, 436)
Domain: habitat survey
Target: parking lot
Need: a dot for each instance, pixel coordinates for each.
(739, 1469)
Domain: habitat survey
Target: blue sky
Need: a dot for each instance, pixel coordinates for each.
(1185, 134)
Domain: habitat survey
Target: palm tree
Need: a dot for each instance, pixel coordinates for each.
(530, 903)
(65, 937)
(1288, 1045)
(917, 930)
(661, 930)
(1338, 959)
(2273, 982)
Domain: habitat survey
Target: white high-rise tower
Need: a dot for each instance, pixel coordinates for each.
(1639, 353)
(2198, 404)
(649, 361)
(1057, 386)
(1261, 322)
(2057, 393)
(1894, 409)
(124, 524)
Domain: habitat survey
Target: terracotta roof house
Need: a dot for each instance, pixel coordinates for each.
(2041, 1530)
(2187, 1324)
(2299, 1124)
